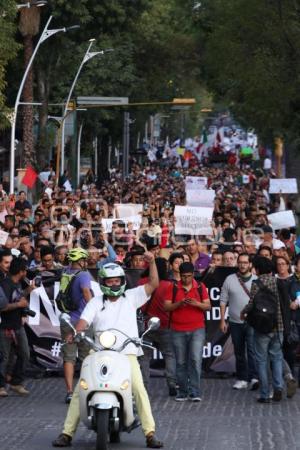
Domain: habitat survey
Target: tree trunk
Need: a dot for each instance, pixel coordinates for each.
(292, 160)
(42, 143)
(28, 139)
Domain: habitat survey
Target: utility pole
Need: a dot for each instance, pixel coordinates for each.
(125, 171)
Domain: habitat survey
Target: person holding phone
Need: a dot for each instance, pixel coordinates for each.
(187, 303)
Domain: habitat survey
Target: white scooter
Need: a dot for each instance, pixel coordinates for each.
(106, 404)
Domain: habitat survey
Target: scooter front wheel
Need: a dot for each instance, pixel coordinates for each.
(102, 420)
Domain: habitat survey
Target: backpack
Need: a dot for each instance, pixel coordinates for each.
(64, 300)
(263, 314)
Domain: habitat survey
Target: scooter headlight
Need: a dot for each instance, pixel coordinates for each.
(107, 339)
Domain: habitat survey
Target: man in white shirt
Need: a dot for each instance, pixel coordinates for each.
(117, 309)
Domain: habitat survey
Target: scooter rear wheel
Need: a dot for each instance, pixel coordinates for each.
(102, 420)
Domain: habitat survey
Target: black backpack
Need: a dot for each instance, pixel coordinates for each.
(263, 314)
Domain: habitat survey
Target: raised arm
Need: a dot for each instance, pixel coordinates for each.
(153, 275)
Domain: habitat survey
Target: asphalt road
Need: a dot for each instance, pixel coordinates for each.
(225, 419)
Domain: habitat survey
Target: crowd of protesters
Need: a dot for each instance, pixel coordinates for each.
(41, 238)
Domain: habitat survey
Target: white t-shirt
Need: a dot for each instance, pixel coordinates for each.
(120, 315)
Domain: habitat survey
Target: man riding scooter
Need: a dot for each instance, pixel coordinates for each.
(117, 309)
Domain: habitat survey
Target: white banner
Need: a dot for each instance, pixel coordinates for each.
(194, 183)
(135, 220)
(3, 237)
(201, 197)
(128, 209)
(39, 296)
(283, 185)
(283, 219)
(193, 220)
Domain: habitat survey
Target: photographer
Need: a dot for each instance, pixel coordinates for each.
(12, 333)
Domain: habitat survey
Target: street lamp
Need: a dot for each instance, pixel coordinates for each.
(32, 3)
(45, 35)
(88, 55)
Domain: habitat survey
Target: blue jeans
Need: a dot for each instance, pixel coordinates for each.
(188, 347)
(242, 336)
(268, 348)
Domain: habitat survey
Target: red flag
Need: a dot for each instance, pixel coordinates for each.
(30, 177)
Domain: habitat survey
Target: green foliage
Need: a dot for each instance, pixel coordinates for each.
(251, 61)
(155, 58)
(8, 49)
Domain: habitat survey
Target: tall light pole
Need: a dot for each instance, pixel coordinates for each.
(88, 55)
(45, 35)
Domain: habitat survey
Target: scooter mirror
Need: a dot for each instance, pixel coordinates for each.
(64, 317)
(154, 323)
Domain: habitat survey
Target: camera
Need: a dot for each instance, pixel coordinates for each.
(28, 312)
(38, 281)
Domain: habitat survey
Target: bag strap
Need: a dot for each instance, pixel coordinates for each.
(174, 292)
(261, 285)
(243, 285)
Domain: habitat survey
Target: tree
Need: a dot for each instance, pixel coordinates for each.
(155, 57)
(251, 61)
(29, 25)
(8, 50)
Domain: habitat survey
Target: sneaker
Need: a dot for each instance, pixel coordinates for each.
(135, 424)
(253, 385)
(68, 397)
(195, 398)
(181, 398)
(153, 442)
(240, 384)
(263, 400)
(19, 389)
(63, 440)
(3, 392)
(172, 391)
(277, 396)
(291, 387)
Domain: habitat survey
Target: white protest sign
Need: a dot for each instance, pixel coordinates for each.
(128, 209)
(3, 237)
(283, 219)
(135, 220)
(67, 186)
(194, 183)
(202, 197)
(283, 185)
(193, 220)
(44, 176)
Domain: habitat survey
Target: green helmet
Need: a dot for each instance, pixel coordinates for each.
(112, 270)
(75, 254)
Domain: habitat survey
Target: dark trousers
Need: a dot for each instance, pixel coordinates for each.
(20, 346)
(242, 336)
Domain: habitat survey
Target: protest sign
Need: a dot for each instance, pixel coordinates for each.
(282, 219)
(283, 185)
(201, 197)
(3, 237)
(193, 220)
(194, 183)
(135, 220)
(128, 209)
(44, 177)
(67, 186)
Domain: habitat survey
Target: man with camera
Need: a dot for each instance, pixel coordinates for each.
(12, 333)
